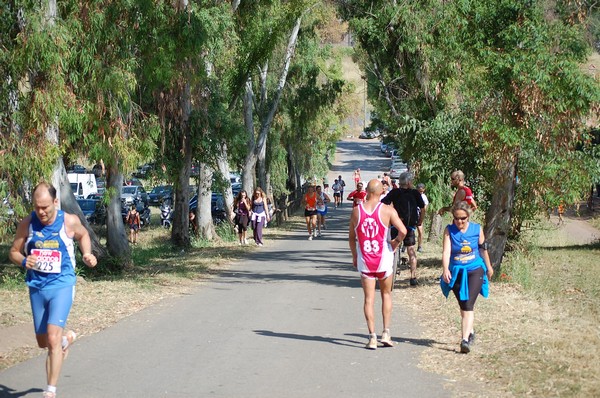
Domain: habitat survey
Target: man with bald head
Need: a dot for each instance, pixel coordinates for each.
(44, 246)
(373, 256)
(463, 193)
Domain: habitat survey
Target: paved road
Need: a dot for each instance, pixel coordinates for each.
(286, 322)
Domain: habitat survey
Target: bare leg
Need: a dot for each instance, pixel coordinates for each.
(386, 300)
(369, 292)
(412, 261)
(467, 319)
(53, 341)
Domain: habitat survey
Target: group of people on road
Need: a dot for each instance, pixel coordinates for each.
(466, 266)
(382, 220)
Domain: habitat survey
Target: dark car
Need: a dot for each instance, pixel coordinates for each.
(77, 168)
(217, 207)
(158, 193)
(93, 210)
(144, 170)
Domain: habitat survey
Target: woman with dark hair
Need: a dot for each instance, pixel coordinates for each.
(259, 214)
(241, 208)
(466, 267)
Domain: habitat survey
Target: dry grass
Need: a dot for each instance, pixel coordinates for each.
(539, 341)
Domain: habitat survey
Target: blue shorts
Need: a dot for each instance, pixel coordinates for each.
(50, 306)
(322, 212)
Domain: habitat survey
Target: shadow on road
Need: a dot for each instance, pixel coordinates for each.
(7, 392)
(237, 276)
(331, 340)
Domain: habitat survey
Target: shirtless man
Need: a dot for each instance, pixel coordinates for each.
(373, 256)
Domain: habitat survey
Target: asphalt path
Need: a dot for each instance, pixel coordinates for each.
(285, 322)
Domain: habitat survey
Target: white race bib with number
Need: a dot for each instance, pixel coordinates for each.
(48, 261)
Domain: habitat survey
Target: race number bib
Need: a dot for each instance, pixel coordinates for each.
(371, 246)
(48, 261)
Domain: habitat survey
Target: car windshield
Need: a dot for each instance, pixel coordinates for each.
(89, 205)
(157, 190)
(129, 190)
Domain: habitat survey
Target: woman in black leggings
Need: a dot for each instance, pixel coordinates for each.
(466, 267)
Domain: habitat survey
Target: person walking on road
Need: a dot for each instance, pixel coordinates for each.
(337, 188)
(356, 177)
(310, 211)
(357, 196)
(422, 213)
(466, 268)
(407, 201)
(259, 215)
(241, 208)
(463, 192)
(342, 185)
(373, 256)
(322, 200)
(44, 246)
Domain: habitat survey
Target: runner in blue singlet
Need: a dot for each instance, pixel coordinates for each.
(44, 247)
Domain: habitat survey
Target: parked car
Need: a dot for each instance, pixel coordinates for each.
(236, 187)
(133, 181)
(367, 135)
(144, 170)
(77, 169)
(155, 197)
(217, 207)
(133, 193)
(397, 168)
(101, 184)
(89, 208)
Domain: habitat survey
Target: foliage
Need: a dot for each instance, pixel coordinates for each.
(483, 82)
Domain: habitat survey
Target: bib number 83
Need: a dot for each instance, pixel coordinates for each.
(371, 246)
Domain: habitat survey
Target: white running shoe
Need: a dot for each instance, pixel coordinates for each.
(309, 237)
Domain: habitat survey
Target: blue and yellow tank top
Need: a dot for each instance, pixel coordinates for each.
(56, 254)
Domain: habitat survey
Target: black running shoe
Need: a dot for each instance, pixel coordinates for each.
(413, 282)
(471, 338)
(465, 348)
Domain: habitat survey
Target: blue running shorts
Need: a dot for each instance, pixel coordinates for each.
(50, 306)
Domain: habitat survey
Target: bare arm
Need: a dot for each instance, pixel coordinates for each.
(16, 250)
(446, 275)
(81, 235)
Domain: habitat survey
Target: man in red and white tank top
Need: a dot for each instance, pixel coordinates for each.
(373, 255)
(463, 193)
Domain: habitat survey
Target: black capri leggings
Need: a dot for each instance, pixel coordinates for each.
(475, 278)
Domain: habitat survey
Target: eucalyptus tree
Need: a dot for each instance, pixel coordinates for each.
(180, 40)
(506, 75)
(268, 33)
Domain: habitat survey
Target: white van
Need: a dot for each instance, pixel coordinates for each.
(82, 185)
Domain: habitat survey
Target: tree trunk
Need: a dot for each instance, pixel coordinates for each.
(116, 236)
(180, 233)
(206, 228)
(435, 231)
(498, 216)
(267, 120)
(250, 160)
(69, 204)
(223, 165)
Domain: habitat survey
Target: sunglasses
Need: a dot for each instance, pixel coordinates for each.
(460, 218)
